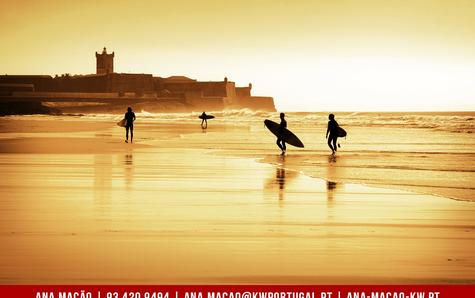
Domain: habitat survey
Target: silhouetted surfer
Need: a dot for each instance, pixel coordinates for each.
(204, 120)
(280, 138)
(333, 131)
(129, 125)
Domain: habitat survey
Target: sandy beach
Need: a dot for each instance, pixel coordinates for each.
(188, 206)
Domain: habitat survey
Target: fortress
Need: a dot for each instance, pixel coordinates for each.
(107, 91)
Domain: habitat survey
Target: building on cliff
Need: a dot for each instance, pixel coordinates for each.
(108, 89)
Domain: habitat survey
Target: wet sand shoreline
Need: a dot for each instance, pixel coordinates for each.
(164, 213)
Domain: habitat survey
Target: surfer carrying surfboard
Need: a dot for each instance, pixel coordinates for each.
(129, 125)
(284, 136)
(204, 119)
(280, 138)
(333, 131)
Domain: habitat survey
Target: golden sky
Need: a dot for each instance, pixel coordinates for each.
(309, 55)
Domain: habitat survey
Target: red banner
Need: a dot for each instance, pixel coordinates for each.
(241, 291)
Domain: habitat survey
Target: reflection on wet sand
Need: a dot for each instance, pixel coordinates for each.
(332, 185)
(331, 174)
(279, 181)
(128, 170)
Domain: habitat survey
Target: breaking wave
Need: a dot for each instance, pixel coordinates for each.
(457, 122)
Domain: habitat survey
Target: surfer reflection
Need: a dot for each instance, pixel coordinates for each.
(332, 175)
(128, 169)
(129, 125)
(276, 184)
(204, 120)
(280, 180)
(331, 192)
(333, 131)
(331, 187)
(280, 140)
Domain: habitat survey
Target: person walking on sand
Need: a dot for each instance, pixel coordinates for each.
(129, 125)
(280, 138)
(333, 131)
(204, 120)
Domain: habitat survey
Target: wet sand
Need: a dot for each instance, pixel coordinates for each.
(171, 210)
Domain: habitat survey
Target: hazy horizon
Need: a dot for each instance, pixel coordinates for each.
(309, 55)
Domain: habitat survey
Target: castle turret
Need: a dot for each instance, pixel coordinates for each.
(104, 62)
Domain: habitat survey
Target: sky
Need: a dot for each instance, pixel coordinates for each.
(403, 55)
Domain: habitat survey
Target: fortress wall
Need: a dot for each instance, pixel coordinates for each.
(198, 101)
(214, 89)
(78, 84)
(16, 87)
(243, 91)
(258, 103)
(60, 84)
(68, 95)
(39, 81)
(231, 98)
(139, 83)
(191, 95)
(208, 88)
(161, 94)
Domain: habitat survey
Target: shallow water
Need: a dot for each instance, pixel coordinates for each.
(430, 153)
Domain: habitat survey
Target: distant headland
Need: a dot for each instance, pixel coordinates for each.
(107, 91)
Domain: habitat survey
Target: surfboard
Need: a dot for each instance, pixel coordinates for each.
(341, 132)
(206, 117)
(121, 123)
(288, 136)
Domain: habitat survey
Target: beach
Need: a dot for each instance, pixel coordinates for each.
(184, 205)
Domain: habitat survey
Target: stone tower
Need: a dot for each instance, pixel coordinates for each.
(104, 62)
